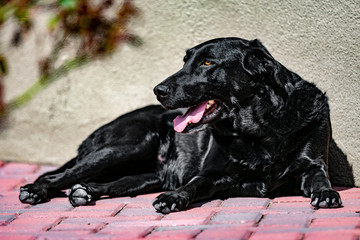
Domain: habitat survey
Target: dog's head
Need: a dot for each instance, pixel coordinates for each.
(217, 76)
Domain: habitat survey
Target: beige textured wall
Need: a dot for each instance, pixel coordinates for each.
(317, 39)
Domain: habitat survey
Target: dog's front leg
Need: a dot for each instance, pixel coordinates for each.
(199, 188)
(316, 185)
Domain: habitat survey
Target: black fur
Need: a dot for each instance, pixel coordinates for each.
(268, 133)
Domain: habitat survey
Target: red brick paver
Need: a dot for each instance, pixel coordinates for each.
(283, 218)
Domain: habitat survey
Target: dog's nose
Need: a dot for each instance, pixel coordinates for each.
(161, 90)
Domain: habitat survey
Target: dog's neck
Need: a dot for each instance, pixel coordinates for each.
(248, 118)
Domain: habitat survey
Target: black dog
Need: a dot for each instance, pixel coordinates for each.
(257, 128)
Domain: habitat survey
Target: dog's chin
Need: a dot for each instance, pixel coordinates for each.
(194, 128)
(168, 106)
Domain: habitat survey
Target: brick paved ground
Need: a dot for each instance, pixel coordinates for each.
(288, 218)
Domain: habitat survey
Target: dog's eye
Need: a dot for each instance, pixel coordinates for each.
(207, 63)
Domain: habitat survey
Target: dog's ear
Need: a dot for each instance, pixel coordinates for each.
(259, 63)
(257, 60)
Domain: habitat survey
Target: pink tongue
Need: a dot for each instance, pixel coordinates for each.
(194, 115)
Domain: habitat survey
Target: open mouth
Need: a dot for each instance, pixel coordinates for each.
(200, 114)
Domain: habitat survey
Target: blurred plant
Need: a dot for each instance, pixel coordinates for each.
(86, 25)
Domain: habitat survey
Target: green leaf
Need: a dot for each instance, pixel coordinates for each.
(22, 15)
(68, 4)
(53, 22)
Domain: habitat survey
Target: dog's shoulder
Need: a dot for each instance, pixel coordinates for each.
(309, 102)
(303, 104)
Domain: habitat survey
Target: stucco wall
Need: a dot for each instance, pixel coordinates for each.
(317, 39)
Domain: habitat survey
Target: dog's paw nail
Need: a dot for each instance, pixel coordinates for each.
(79, 201)
(79, 193)
(334, 205)
(165, 210)
(314, 203)
(78, 186)
(24, 195)
(173, 207)
(323, 204)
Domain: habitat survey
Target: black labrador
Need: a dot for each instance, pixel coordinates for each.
(256, 130)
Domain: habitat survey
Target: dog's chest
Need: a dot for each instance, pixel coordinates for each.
(250, 157)
(181, 158)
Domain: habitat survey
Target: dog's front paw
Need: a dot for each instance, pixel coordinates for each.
(328, 198)
(171, 202)
(79, 195)
(32, 194)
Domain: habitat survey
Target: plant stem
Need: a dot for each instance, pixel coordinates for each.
(43, 82)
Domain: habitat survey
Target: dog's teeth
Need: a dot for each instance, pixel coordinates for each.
(209, 104)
